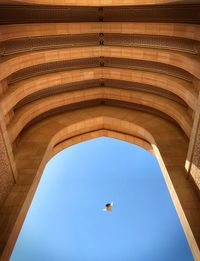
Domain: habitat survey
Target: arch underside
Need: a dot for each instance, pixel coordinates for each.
(72, 73)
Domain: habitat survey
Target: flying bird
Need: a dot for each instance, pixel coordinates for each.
(108, 207)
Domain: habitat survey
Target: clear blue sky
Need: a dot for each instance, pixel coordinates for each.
(66, 221)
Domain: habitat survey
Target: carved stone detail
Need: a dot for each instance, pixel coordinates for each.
(195, 167)
(93, 62)
(6, 179)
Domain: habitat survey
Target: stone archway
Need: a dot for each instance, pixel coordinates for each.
(125, 124)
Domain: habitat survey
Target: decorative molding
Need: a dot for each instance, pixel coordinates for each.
(13, 14)
(112, 39)
(96, 62)
(52, 90)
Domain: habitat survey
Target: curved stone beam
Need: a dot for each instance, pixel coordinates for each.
(66, 142)
(106, 123)
(29, 44)
(22, 89)
(189, 63)
(96, 62)
(30, 111)
(9, 32)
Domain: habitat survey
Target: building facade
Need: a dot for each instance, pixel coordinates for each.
(128, 69)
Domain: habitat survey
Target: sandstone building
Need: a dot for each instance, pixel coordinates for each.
(80, 69)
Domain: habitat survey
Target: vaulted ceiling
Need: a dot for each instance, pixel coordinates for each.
(50, 51)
